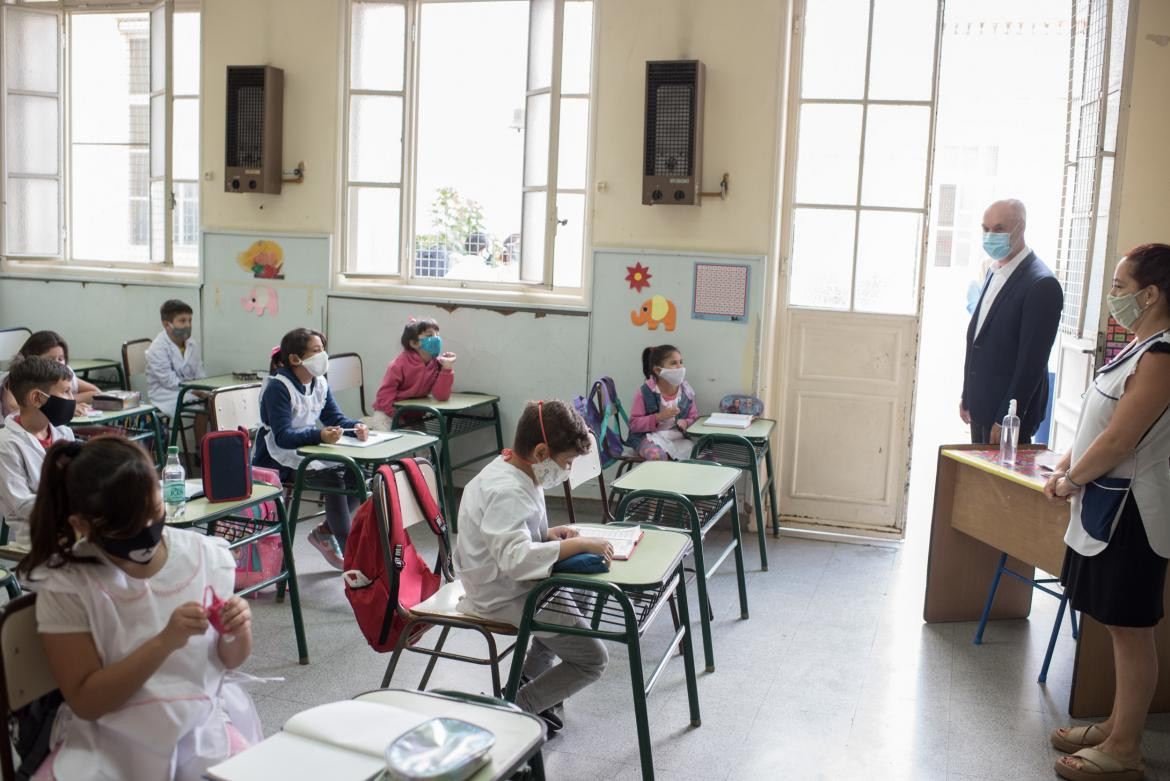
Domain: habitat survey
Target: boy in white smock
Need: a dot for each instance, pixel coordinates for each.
(173, 357)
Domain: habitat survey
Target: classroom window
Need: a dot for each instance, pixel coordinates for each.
(91, 97)
(466, 142)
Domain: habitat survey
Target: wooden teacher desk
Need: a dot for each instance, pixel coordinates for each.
(982, 509)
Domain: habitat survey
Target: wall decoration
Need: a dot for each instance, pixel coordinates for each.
(638, 277)
(721, 292)
(264, 258)
(1116, 338)
(261, 299)
(655, 310)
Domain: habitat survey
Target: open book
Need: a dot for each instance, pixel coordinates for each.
(729, 420)
(374, 438)
(623, 539)
(341, 741)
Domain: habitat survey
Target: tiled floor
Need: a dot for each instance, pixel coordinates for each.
(834, 676)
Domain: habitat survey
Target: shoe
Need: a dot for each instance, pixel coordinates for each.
(327, 545)
(1076, 738)
(1096, 765)
(554, 722)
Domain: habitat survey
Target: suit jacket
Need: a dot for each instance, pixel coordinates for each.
(1008, 358)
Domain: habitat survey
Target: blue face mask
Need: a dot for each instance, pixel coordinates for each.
(997, 245)
(432, 345)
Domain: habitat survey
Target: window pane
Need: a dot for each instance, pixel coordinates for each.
(378, 38)
(536, 141)
(902, 61)
(532, 242)
(833, 62)
(577, 48)
(895, 156)
(574, 143)
(373, 230)
(887, 262)
(470, 156)
(110, 65)
(158, 49)
(375, 138)
(185, 146)
(569, 241)
(822, 258)
(30, 46)
(185, 60)
(541, 44)
(31, 135)
(32, 217)
(185, 235)
(110, 196)
(157, 222)
(158, 135)
(828, 146)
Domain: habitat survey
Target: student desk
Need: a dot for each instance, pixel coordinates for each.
(691, 496)
(83, 366)
(360, 462)
(742, 448)
(981, 512)
(519, 735)
(207, 385)
(205, 514)
(142, 424)
(448, 420)
(619, 605)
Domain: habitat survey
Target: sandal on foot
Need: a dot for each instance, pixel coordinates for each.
(1076, 738)
(1096, 765)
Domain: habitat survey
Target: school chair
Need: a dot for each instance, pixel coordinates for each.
(10, 551)
(10, 583)
(585, 468)
(11, 340)
(440, 609)
(345, 373)
(23, 668)
(133, 360)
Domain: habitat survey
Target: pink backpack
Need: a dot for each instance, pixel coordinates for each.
(257, 561)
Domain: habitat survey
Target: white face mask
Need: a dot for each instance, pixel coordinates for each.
(317, 364)
(674, 376)
(1125, 310)
(549, 474)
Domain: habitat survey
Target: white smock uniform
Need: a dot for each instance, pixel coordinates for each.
(174, 727)
(168, 367)
(1148, 466)
(21, 458)
(306, 412)
(500, 551)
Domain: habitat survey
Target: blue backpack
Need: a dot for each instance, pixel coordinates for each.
(603, 411)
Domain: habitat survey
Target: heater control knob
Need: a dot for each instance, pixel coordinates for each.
(251, 184)
(235, 184)
(656, 195)
(679, 195)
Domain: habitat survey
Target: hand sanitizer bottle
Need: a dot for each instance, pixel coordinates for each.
(1009, 436)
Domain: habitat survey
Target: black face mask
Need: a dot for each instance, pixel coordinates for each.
(140, 548)
(59, 410)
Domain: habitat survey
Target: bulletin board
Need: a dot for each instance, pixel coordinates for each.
(721, 354)
(256, 288)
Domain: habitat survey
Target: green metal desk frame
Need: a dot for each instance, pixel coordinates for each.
(83, 366)
(150, 429)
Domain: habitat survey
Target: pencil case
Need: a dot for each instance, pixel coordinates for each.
(227, 467)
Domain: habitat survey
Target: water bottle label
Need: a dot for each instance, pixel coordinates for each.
(175, 493)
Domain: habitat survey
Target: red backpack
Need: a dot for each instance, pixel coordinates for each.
(383, 571)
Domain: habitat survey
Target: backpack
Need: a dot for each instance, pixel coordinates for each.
(383, 571)
(599, 408)
(30, 729)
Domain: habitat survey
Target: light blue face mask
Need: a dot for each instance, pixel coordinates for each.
(997, 245)
(432, 345)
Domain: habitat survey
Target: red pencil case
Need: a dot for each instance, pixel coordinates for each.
(227, 468)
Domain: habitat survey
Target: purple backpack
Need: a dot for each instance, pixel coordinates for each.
(604, 413)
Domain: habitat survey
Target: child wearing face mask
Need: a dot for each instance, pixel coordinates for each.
(297, 409)
(663, 408)
(173, 357)
(421, 369)
(46, 344)
(44, 392)
(505, 546)
(145, 666)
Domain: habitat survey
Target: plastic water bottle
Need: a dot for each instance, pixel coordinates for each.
(174, 486)
(1009, 436)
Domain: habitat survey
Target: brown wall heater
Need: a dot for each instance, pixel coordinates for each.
(673, 150)
(255, 127)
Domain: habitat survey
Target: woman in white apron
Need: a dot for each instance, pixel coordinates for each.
(1117, 482)
(146, 677)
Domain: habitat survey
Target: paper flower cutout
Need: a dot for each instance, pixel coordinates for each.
(639, 277)
(265, 259)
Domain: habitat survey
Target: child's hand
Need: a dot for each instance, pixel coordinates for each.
(446, 360)
(361, 432)
(666, 413)
(330, 434)
(562, 533)
(683, 424)
(600, 546)
(188, 620)
(235, 616)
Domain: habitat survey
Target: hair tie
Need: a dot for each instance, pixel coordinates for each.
(275, 351)
(411, 320)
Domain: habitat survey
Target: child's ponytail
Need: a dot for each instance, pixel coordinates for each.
(51, 531)
(647, 366)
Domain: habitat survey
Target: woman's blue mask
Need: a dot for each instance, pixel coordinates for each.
(432, 345)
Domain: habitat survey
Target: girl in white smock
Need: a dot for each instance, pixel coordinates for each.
(146, 675)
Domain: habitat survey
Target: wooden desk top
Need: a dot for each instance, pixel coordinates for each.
(1031, 469)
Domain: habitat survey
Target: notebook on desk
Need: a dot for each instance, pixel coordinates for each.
(729, 420)
(374, 438)
(623, 539)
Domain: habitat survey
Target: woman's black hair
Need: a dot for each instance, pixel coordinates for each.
(415, 327)
(656, 356)
(108, 481)
(564, 426)
(295, 342)
(41, 342)
(34, 371)
(1150, 265)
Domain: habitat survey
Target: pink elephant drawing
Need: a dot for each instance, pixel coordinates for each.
(261, 299)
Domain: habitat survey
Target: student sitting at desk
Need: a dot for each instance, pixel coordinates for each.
(504, 546)
(421, 369)
(143, 665)
(172, 358)
(664, 407)
(47, 344)
(297, 409)
(43, 388)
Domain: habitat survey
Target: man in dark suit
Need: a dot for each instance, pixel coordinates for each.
(1011, 332)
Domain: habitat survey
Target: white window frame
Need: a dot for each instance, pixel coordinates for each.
(404, 285)
(65, 266)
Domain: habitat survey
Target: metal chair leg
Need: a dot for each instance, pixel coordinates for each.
(401, 644)
(422, 685)
(990, 599)
(1052, 640)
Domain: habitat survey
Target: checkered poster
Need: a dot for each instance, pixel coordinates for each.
(721, 291)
